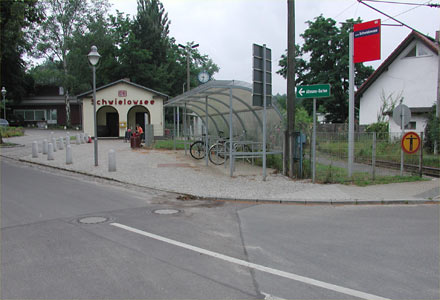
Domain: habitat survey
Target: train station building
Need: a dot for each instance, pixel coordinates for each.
(121, 105)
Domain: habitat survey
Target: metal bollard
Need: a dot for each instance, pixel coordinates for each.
(85, 137)
(78, 139)
(40, 147)
(54, 144)
(81, 135)
(67, 140)
(69, 159)
(34, 149)
(61, 143)
(50, 155)
(45, 148)
(51, 135)
(112, 161)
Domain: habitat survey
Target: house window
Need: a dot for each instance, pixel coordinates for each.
(411, 125)
(31, 115)
(417, 50)
(51, 116)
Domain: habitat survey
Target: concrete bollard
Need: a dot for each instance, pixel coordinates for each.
(34, 149)
(50, 155)
(67, 140)
(45, 148)
(69, 159)
(61, 143)
(40, 147)
(78, 139)
(51, 135)
(54, 144)
(112, 161)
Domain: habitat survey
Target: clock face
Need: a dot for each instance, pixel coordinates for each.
(203, 77)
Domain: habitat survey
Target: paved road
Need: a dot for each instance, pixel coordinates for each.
(296, 251)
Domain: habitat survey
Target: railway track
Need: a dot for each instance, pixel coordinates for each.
(428, 171)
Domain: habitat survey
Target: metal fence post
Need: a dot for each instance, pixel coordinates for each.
(421, 155)
(373, 157)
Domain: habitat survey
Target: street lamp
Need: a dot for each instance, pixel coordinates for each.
(188, 47)
(94, 59)
(4, 100)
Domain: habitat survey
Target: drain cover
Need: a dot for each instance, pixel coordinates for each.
(165, 211)
(92, 220)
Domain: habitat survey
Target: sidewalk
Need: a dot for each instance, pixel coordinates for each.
(172, 171)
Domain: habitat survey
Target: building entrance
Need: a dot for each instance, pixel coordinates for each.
(108, 122)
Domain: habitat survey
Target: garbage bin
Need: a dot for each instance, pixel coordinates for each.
(135, 141)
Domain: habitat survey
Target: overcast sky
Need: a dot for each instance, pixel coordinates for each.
(226, 29)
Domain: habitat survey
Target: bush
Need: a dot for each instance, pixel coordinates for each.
(432, 131)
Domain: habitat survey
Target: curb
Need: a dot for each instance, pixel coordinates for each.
(186, 196)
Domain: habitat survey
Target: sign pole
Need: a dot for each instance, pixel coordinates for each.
(264, 112)
(351, 107)
(314, 142)
(401, 137)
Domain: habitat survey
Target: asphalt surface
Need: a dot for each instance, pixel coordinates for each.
(387, 251)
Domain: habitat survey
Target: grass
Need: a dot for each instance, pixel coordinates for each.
(332, 174)
(169, 145)
(384, 151)
(11, 131)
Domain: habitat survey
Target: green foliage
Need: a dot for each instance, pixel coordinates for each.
(379, 127)
(17, 19)
(326, 49)
(303, 120)
(432, 131)
(11, 131)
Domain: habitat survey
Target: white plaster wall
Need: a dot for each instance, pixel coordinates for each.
(414, 77)
(133, 94)
(420, 125)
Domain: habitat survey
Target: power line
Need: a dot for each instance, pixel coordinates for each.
(405, 3)
(404, 12)
(392, 18)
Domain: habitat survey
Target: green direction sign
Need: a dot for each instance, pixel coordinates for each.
(313, 91)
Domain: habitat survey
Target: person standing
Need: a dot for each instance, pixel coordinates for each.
(140, 131)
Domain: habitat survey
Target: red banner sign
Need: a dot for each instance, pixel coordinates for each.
(366, 41)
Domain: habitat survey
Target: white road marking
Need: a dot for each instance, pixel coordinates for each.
(292, 276)
(270, 297)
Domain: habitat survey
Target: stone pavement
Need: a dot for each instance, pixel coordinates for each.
(172, 171)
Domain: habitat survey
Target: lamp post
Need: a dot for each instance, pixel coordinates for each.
(94, 59)
(188, 48)
(4, 101)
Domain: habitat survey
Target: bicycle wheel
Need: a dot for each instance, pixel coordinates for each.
(197, 150)
(217, 154)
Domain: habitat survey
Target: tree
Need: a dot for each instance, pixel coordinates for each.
(326, 47)
(63, 19)
(17, 19)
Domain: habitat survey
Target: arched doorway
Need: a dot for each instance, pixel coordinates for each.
(107, 118)
(138, 115)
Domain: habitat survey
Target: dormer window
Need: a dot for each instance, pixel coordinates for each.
(417, 50)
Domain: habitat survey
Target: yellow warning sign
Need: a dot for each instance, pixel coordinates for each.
(410, 142)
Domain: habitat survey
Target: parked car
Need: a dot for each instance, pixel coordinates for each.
(16, 120)
(4, 123)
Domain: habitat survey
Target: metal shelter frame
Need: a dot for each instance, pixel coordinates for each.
(217, 103)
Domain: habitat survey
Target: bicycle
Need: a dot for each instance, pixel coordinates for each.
(218, 152)
(197, 149)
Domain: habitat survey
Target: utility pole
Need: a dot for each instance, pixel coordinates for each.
(291, 97)
(437, 112)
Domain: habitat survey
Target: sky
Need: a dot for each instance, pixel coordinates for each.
(226, 29)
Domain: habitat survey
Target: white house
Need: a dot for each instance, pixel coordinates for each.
(411, 72)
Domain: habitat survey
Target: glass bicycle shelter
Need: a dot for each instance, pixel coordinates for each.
(224, 108)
